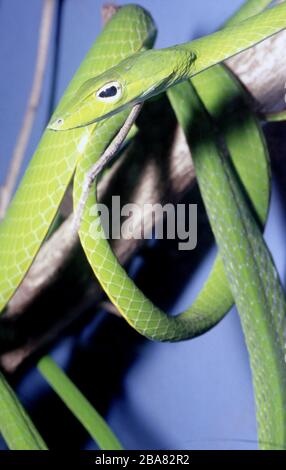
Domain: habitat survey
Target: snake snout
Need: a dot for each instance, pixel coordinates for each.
(56, 124)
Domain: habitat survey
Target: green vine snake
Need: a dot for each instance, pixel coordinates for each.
(117, 73)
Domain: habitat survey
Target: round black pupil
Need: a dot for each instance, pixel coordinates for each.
(108, 92)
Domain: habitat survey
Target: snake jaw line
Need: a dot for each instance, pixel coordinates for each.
(124, 85)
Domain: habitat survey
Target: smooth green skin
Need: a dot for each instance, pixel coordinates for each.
(18, 431)
(59, 153)
(276, 117)
(79, 405)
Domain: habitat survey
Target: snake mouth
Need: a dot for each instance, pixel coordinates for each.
(60, 124)
(69, 122)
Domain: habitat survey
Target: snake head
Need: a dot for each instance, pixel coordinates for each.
(135, 79)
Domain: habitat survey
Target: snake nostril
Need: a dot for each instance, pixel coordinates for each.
(59, 122)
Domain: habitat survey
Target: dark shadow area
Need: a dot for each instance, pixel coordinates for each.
(275, 134)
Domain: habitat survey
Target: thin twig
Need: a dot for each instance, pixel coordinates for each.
(34, 99)
(109, 153)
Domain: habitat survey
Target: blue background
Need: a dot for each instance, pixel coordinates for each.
(192, 395)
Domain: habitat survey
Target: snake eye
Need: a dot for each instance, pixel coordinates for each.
(109, 92)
